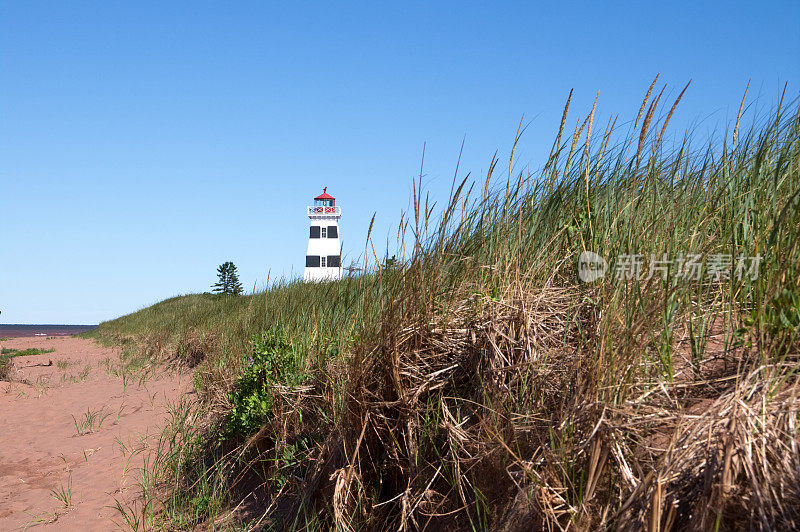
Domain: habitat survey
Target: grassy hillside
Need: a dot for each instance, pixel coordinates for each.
(479, 383)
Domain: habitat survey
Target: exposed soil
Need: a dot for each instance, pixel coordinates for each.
(41, 450)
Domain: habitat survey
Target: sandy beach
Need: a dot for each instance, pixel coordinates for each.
(70, 424)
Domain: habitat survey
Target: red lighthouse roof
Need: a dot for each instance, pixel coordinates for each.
(324, 195)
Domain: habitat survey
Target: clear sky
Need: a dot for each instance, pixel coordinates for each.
(144, 143)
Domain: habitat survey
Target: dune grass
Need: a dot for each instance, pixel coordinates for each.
(477, 383)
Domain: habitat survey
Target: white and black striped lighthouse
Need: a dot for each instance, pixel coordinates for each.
(324, 254)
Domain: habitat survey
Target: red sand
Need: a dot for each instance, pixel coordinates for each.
(40, 450)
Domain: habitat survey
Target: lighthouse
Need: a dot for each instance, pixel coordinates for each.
(324, 254)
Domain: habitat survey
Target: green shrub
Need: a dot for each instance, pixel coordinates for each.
(271, 362)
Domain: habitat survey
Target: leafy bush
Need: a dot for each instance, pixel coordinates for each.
(272, 362)
(293, 460)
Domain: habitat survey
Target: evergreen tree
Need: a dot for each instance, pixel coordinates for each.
(390, 263)
(227, 280)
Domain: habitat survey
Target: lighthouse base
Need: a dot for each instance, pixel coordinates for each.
(313, 275)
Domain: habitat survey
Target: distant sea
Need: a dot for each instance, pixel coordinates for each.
(11, 330)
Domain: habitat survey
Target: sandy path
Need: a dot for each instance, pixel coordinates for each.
(40, 450)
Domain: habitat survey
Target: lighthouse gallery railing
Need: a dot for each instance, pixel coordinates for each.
(316, 210)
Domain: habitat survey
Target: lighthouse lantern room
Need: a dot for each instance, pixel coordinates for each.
(324, 254)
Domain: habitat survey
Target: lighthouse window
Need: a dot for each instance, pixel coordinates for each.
(322, 263)
(324, 232)
(314, 231)
(312, 261)
(333, 231)
(334, 261)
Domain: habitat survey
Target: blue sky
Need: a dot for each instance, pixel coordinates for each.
(144, 143)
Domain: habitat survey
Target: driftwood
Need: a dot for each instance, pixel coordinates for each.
(49, 363)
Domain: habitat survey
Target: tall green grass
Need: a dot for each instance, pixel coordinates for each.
(478, 383)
